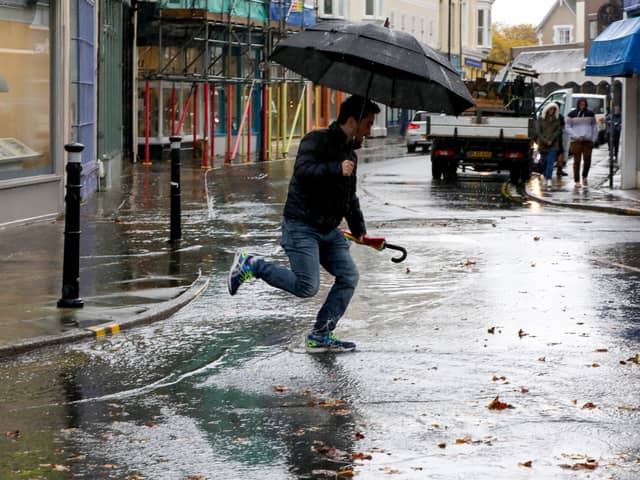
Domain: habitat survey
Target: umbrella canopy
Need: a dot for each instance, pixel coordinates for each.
(375, 62)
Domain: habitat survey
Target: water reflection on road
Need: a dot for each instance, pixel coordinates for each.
(496, 299)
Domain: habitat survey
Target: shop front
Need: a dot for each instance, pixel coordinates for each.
(31, 164)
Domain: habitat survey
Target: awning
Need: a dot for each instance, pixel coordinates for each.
(616, 51)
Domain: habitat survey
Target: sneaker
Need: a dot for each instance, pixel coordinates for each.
(328, 343)
(562, 173)
(578, 185)
(585, 183)
(549, 183)
(239, 272)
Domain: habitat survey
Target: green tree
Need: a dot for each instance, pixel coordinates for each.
(505, 37)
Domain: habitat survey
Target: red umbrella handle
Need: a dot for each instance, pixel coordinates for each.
(379, 243)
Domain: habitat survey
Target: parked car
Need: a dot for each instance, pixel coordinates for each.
(417, 133)
(567, 100)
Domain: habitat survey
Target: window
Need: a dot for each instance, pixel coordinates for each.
(422, 29)
(413, 26)
(25, 89)
(483, 28)
(464, 22)
(403, 22)
(593, 29)
(369, 8)
(562, 34)
(333, 8)
(373, 8)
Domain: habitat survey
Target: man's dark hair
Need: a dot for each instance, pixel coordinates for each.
(353, 107)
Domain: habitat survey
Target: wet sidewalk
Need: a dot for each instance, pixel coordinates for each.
(598, 196)
(129, 272)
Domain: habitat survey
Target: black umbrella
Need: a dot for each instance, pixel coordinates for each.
(375, 62)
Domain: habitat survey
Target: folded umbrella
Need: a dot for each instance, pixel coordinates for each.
(379, 243)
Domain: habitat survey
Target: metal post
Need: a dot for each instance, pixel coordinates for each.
(71, 263)
(176, 229)
(610, 130)
(147, 108)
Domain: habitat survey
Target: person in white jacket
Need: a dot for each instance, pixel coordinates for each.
(582, 129)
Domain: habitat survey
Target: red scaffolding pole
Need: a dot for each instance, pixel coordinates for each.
(249, 118)
(213, 122)
(195, 120)
(205, 122)
(147, 160)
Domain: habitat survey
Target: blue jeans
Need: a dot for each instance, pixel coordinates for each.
(548, 159)
(308, 249)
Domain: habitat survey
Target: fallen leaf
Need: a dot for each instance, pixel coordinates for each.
(358, 436)
(496, 378)
(279, 388)
(635, 359)
(575, 402)
(527, 464)
(542, 359)
(589, 465)
(407, 270)
(595, 365)
(496, 404)
(469, 263)
(342, 412)
(346, 473)
(601, 350)
(492, 330)
(442, 445)
(331, 403)
(464, 440)
(14, 434)
(589, 405)
(522, 333)
(524, 390)
(536, 239)
(361, 456)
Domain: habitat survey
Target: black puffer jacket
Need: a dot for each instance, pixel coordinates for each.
(319, 194)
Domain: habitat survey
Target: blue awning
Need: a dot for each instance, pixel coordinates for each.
(616, 51)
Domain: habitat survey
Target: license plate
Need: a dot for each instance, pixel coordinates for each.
(479, 154)
(424, 136)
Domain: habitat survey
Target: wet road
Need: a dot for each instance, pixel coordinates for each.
(537, 306)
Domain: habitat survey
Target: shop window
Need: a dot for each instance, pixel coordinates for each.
(25, 87)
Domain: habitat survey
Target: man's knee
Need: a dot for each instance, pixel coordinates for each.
(306, 288)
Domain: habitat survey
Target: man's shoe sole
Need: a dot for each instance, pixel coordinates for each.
(236, 258)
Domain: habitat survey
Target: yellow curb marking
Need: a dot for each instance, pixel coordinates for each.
(112, 329)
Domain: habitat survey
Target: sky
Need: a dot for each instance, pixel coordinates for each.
(516, 12)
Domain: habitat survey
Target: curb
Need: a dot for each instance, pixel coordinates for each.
(159, 312)
(582, 206)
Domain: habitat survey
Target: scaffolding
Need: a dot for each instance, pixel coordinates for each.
(204, 75)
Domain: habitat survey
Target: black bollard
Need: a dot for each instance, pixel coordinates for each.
(176, 229)
(71, 264)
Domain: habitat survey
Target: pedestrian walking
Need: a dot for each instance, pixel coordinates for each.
(561, 160)
(548, 134)
(322, 192)
(614, 127)
(583, 132)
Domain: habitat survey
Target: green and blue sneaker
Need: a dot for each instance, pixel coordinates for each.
(328, 343)
(239, 272)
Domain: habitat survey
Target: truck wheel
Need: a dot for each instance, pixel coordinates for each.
(411, 148)
(436, 168)
(450, 174)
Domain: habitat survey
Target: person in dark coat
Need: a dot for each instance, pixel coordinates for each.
(583, 132)
(322, 192)
(548, 134)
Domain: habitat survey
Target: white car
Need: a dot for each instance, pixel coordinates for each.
(416, 135)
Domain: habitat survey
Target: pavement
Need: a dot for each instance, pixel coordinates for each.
(130, 274)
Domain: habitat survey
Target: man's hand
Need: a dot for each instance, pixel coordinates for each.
(347, 168)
